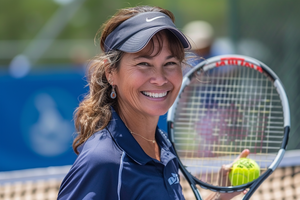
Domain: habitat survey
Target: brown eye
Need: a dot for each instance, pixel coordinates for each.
(143, 64)
(171, 63)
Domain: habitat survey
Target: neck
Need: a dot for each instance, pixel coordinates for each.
(139, 124)
(143, 130)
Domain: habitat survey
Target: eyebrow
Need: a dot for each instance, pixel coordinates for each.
(151, 57)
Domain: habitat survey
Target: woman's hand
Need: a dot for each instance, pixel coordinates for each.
(224, 171)
(224, 180)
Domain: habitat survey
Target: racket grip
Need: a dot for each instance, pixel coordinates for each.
(196, 192)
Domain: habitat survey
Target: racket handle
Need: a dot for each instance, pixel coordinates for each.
(196, 192)
(190, 180)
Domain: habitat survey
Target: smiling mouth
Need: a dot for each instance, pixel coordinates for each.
(155, 95)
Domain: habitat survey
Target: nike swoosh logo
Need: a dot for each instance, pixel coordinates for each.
(152, 19)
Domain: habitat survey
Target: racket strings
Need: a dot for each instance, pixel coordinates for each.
(222, 114)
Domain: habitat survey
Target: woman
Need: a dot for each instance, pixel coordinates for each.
(122, 153)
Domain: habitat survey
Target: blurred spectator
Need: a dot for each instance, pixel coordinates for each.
(201, 36)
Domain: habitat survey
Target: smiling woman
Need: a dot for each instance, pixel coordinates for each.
(122, 154)
(147, 82)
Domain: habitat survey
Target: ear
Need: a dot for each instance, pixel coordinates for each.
(110, 73)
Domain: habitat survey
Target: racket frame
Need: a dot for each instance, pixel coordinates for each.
(204, 66)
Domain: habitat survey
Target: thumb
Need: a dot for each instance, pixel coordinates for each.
(243, 154)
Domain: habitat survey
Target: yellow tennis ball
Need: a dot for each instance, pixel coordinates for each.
(244, 171)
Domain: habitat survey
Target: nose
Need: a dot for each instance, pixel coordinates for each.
(159, 77)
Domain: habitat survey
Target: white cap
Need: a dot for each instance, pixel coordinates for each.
(199, 33)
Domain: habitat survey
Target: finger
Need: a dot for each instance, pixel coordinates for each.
(243, 154)
(231, 195)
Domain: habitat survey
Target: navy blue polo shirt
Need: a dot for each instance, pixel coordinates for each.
(112, 166)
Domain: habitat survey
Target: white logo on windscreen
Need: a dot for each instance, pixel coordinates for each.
(152, 19)
(49, 136)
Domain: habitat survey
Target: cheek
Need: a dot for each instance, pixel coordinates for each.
(128, 84)
(178, 86)
(176, 81)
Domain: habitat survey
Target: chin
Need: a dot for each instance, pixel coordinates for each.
(157, 111)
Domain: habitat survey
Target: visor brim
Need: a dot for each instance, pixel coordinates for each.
(140, 39)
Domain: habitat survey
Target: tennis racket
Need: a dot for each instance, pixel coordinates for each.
(227, 104)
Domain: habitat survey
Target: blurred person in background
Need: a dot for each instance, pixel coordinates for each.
(204, 45)
(201, 36)
(122, 153)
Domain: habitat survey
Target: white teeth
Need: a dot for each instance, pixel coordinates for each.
(155, 95)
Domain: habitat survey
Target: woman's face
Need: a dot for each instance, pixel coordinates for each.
(148, 84)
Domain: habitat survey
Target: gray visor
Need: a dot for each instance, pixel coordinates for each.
(134, 34)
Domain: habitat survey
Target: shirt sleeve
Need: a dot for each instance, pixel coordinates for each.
(92, 176)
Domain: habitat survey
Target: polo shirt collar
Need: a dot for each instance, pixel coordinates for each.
(126, 141)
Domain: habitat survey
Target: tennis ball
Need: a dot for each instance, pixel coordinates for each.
(244, 171)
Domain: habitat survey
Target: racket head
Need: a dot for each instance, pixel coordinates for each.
(227, 104)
